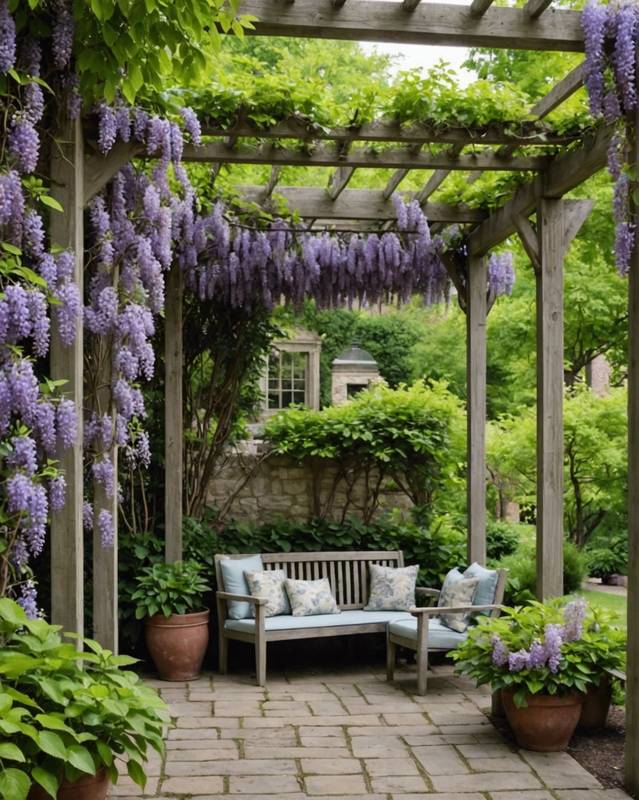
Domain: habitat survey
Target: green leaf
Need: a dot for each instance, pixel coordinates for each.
(47, 780)
(51, 202)
(14, 784)
(11, 752)
(11, 248)
(81, 758)
(136, 773)
(52, 744)
(12, 612)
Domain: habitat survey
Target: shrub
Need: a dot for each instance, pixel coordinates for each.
(603, 562)
(522, 573)
(177, 588)
(502, 539)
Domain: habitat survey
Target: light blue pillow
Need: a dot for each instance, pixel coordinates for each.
(233, 570)
(485, 595)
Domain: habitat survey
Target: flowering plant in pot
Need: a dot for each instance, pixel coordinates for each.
(67, 716)
(544, 658)
(170, 598)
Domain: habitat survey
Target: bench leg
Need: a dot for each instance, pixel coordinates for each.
(422, 654)
(223, 654)
(391, 657)
(260, 647)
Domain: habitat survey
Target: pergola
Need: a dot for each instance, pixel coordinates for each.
(79, 172)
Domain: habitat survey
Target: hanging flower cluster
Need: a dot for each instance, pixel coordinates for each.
(501, 274)
(610, 33)
(547, 652)
(36, 285)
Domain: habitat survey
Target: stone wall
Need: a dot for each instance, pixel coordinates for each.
(281, 487)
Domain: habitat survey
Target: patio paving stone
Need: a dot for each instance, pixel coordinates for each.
(347, 735)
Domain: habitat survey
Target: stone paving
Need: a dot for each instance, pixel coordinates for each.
(348, 735)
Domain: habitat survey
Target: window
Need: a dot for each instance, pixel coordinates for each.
(286, 379)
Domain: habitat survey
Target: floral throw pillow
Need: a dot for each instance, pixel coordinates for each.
(392, 588)
(269, 584)
(459, 592)
(311, 597)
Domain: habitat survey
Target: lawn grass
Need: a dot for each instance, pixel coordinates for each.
(611, 602)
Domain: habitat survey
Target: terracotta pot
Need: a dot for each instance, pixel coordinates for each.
(177, 644)
(546, 723)
(87, 787)
(596, 706)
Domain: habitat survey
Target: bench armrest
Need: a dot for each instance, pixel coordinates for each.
(434, 610)
(427, 591)
(242, 598)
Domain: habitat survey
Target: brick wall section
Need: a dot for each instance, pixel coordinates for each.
(281, 487)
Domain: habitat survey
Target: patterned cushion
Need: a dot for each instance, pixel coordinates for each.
(392, 589)
(235, 582)
(269, 584)
(487, 584)
(457, 593)
(311, 597)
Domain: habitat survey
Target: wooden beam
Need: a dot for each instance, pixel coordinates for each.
(355, 204)
(272, 181)
(479, 7)
(67, 231)
(337, 3)
(332, 156)
(339, 181)
(631, 770)
(173, 416)
(393, 182)
(430, 23)
(525, 133)
(98, 169)
(556, 221)
(529, 240)
(410, 5)
(476, 312)
(533, 9)
(566, 172)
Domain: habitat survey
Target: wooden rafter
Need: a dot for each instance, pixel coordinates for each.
(533, 9)
(430, 23)
(355, 204)
(330, 156)
(274, 177)
(526, 133)
(410, 5)
(339, 181)
(479, 7)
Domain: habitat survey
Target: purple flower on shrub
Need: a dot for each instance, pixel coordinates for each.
(553, 639)
(500, 651)
(574, 615)
(29, 599)
(87, 516)
(518, 661)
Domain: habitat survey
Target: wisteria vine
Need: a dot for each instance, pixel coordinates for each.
(36, 285)
(610, 33)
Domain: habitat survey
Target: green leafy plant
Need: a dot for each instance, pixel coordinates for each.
(522, 572)
(168, 589)
(603, 562)
(65, 713)
(555, 648)
(502, 538)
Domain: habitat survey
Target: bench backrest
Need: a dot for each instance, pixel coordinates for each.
(347, 572)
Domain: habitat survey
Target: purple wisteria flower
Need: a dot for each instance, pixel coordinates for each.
(500, 652)
(29, 599)
(106, 528)
(7, 38)
(24, 144)
(63, 29)
(192, 125)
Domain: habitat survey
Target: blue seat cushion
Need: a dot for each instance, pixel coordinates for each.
(233, 570)
(485, 594)
(289, 622)
(439, 636)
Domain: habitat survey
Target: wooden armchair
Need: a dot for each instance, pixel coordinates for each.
(425, 633)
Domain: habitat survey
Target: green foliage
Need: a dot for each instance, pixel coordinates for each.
(411, 435)
(437, 548)
(595, 430)
(609, 559)
(502, 539)
(583, 661)
(167, 589)
(65, 713)
(522, 572)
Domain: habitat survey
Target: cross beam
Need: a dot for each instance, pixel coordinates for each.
(354, 204)
(327, 156)
(430, 23)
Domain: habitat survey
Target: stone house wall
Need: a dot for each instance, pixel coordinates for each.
(281, 487)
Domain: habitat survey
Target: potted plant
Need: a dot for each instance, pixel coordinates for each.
(544, 659)
(67, 716)
(170, 597)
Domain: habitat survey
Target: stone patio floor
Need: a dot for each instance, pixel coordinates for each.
(348, 735)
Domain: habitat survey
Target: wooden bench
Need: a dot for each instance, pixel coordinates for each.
(348, 576)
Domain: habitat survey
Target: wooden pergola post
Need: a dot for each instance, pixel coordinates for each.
(558, 221)
(173, 415)
(632, 659)
(476, 312)
(67, 230)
